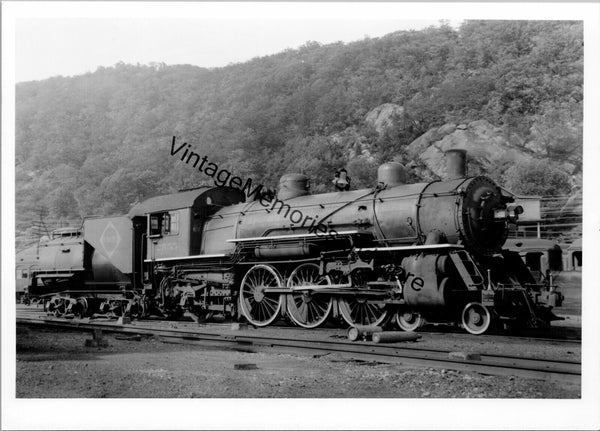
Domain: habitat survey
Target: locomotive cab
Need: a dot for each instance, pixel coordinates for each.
(175, 221)
(171, 248)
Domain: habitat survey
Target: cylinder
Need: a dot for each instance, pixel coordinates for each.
(391, 174)
(443, 264)
(394, 337)
(421, 286)
(364, 331)
(456, 164)
(292, 185)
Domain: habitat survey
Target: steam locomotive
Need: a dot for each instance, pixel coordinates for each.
(396, 252)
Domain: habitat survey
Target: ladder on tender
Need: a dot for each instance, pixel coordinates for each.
(467, 269)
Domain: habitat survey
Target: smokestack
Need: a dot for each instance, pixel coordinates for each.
(456, 164)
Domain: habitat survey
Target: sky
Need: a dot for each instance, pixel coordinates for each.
(48, 47)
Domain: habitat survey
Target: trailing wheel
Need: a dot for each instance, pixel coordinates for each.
(305, 308)
(359, 311)
(259, 307)
(408, 320)
(201, 315)
(476, 318)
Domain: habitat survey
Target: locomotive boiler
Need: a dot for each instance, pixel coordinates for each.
(395, 252)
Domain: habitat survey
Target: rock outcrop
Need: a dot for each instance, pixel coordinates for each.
(486, 145)
(384, 116)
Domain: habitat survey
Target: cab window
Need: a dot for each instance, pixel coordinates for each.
(164, 224)
(174, 223)
(156, 224)
(166, 227)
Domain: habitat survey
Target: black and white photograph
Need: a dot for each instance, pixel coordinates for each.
(300, 215)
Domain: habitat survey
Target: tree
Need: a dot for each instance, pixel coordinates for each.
(559, 131)
(537, 177)
(95, 143)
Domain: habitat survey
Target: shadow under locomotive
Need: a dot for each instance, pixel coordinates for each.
(401, 252)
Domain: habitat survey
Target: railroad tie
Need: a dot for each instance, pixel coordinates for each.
(97, 339)
(245, 367)
(465, 356)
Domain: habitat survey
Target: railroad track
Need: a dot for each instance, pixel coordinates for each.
(554, 338)
(560, 335)
(404, 354)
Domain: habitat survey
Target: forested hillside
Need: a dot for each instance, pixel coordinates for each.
(96, 143)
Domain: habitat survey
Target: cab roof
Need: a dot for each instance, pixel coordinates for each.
(187, 199)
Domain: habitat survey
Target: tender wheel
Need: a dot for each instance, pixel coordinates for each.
(308, 309)
(79, 307)
(358, 311)
(260, 308)
(408, 320)
(56, 306)
(476, 318)
(139, 308)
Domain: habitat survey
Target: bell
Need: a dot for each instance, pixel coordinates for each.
(341, 180)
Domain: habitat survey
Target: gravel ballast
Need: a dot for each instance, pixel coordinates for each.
(56, 364)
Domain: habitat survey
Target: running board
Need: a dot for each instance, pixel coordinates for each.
(412, 248)
(337, 289)
(291, 236)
